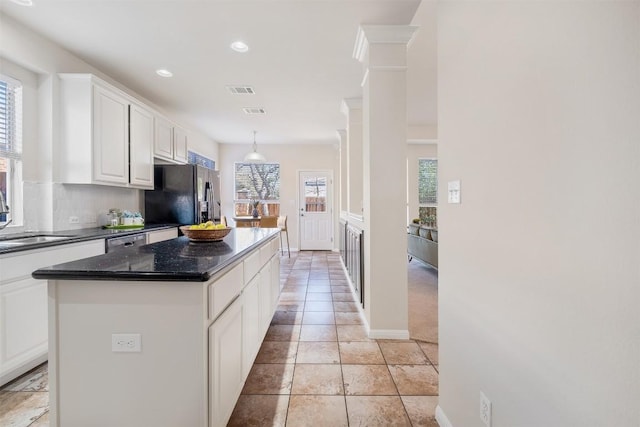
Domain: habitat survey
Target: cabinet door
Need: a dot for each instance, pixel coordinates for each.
(161, 235)
(23, 323)
(266, 313)
(251, 326)
(141, 147)
(110, 137)
(275, 282)
(163, 145)
(225, 364)
(179, 145)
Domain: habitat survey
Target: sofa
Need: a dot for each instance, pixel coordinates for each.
(422, 243)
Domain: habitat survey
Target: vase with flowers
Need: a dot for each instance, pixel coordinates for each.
(254, 212)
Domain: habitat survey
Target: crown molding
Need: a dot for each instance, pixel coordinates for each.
(381, 34)
(349, 104)
(342, 134)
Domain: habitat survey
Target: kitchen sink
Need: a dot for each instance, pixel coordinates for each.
(31, 240)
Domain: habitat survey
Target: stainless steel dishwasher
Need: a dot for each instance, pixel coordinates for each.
(113, 244)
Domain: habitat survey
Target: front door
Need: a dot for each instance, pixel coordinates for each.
(316, 225)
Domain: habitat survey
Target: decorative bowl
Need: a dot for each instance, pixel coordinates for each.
(204, 235)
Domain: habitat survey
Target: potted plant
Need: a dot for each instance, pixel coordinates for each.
(255, 212)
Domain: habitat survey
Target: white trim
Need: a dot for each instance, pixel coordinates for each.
(389, 334)
(381, 34)
(365, 77)
(356, 217)
(424, 141)
(441, 418)
(349, 104)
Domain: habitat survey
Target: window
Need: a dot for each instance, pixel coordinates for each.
(11, 147)
(428, 191)
(257, 183)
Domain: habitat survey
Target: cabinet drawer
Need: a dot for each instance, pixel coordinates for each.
(251, 266)
(161, 235)
(224, 290)
(22, 264)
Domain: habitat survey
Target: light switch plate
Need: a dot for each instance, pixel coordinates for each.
(126, 343)
(453, 192)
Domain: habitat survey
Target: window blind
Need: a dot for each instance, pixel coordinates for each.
(10, 118)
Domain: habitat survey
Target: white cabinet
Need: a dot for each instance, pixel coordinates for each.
(23, 305)
(225, 364)
(170, 141)
(251, 328)
(161, 235)
(95, 141)
(141, 131)
(266, 312)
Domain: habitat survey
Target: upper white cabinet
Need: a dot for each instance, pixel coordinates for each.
(101, 126)
(141, 128)
(170, 142)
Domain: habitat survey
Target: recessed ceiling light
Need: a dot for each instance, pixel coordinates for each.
(164, 73)
(23, 2)
(239, 46)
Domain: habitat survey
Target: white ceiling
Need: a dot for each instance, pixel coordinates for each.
(300, 59)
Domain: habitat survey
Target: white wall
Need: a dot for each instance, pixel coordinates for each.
(415, 152)
(292, 158)
(45, 58)
(539, 276)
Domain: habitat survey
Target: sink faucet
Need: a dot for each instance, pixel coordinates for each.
(4, 209)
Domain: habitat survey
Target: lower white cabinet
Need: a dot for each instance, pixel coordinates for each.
(225, 363)
(161, 235)
(251, 330)
(23, 305)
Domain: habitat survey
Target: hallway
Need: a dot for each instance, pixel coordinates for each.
(317, 367)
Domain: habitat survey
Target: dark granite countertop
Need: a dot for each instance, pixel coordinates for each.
(172, 260)
(71, 236)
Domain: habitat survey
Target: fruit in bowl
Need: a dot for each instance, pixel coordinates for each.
(205, 232)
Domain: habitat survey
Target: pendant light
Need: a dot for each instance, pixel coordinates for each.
(254, 156)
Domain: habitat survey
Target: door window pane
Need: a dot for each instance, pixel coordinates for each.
(315, 194)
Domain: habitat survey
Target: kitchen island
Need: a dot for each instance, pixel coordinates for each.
(161, 335)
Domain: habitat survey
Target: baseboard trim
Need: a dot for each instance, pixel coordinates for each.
(441, 418)
(389, 334)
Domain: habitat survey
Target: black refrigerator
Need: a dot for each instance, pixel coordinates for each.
(183, 194)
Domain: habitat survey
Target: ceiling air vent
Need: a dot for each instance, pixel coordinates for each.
(253, 110)
(241, 90)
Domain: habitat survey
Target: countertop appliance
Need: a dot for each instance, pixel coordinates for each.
(183, 194)
(117, 243)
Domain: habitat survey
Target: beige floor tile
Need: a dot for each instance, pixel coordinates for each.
(277, 352)
(43, 421)
(355, 352)
(347, 307)
(269, 379)
(319, 288)
(287, 318)
(35, 380)
(343, 296)
(318, 352)
(343, 318)
(318, 306)
(320, 282)
(379, 411)
(20, 409)
(319, 296)
(316, 411)
(283, 333)
(318, 333)
(368, 380)
(352, 333)
(260, 410)
(298, 296)
(402, 353)
(431, 350)
(291, 306)
(318, 318)
(340, 289)
(421, 410)
(317, 379)
(415, 380)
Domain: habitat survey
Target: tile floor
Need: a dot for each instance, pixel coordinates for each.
(315, 367)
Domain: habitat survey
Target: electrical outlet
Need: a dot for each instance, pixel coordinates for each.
(126, 343)
(74, 220)
(485, 409)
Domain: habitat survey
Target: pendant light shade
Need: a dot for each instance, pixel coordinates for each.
(254, 156)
